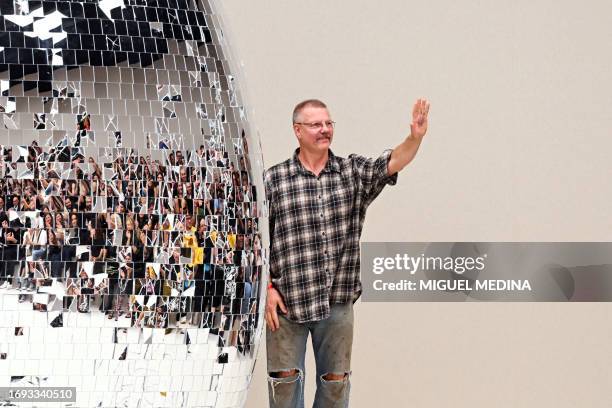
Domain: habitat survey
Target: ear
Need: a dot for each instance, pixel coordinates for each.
(297, 132)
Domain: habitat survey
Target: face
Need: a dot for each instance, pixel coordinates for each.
(314, 140)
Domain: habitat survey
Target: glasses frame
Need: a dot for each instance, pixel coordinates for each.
(317, 125)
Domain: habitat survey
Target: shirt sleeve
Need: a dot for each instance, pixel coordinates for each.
(372, 174)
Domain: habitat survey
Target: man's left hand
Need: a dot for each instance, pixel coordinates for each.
(420, 110)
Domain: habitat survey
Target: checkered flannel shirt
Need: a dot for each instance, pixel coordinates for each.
(315, 226)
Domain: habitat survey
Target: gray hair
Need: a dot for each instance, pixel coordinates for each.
(314, 103)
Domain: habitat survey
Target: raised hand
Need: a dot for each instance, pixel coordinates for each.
(420, 110)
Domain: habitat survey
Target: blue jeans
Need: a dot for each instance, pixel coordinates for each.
(332, 341)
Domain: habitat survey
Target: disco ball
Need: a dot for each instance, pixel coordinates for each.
(134, 238)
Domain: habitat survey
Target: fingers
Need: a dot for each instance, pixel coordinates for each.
(275, 323)
(424, 109)
(275, 302)
(272, 316)
(281, 304)
(421, 107)
(272, 320)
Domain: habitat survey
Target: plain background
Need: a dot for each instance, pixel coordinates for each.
(518, 149)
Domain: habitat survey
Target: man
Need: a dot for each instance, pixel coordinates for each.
(9, 248)
(317, 208)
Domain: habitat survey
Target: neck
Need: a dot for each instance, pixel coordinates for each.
(313, 161)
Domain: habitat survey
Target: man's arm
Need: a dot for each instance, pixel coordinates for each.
(405, 151)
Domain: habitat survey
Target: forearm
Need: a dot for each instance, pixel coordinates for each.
(403, 154)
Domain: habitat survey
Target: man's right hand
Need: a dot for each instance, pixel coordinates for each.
(274, 302)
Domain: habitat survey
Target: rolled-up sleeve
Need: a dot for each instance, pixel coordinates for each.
(372, 173)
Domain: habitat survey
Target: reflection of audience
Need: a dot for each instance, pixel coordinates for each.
(158, 228)
(9, 240)
(84, 123)
(55, 255)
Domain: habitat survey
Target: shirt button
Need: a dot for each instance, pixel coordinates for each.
(321, 214)
(323, 233)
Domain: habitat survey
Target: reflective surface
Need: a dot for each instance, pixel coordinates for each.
(131, 205)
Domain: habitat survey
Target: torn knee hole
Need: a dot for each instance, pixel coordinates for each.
(334, 377)
(284, 374)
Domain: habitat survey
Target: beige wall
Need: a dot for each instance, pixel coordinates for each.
(518, 150)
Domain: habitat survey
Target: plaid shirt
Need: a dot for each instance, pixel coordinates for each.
(315, 226)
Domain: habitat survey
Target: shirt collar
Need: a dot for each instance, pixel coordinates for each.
(296, 166)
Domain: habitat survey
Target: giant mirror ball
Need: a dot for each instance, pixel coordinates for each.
(133, 224)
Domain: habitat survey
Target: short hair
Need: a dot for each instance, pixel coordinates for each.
(314, 103)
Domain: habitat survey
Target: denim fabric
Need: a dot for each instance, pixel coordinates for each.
(332, 340)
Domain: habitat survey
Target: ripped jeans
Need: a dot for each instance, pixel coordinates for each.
(332, 341)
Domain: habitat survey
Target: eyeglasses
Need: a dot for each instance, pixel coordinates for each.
(316, 126)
